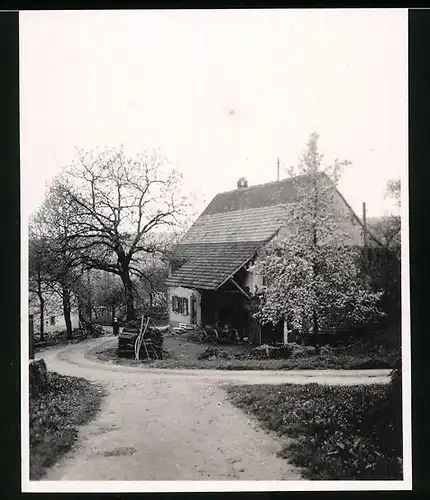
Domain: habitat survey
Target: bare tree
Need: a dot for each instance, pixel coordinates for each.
(108, 293)
(38, 274)
(388, 228)
(118, 204)
(63, 265)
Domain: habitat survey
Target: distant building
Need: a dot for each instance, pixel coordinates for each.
(53, 316)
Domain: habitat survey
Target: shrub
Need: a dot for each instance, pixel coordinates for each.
(215, 353)
(299, 351)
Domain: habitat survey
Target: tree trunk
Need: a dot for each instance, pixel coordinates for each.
(113, 312)
(41, 310)
(66, 312)
(129, 296)
(80, 312)
(90, 301)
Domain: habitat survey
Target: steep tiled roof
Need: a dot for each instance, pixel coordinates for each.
(262, 195)
(236, 223)
(209, 265)
(254, 224)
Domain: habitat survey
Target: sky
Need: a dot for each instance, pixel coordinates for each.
(222, 94)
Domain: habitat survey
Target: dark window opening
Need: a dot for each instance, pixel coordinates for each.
(180, 305)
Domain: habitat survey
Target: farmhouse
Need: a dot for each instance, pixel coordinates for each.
(209, 280)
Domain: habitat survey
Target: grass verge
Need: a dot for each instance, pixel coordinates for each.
(55, 416)
(350, 432)
(314, 362)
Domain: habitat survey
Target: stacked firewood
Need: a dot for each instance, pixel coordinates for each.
(152, 343)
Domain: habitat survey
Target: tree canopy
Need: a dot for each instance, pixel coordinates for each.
(115, 205)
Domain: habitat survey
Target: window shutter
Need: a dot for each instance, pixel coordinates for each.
(186, 306)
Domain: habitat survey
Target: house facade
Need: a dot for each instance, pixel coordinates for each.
(53, 315)
(209, 278)
(54, 321)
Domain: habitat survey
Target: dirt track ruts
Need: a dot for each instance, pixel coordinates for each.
(159, 424)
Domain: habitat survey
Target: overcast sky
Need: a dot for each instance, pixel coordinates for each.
(221, 93)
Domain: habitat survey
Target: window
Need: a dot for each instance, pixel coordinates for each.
(180, 305)
(52, 321)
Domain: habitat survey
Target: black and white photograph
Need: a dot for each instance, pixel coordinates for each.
(214, 250)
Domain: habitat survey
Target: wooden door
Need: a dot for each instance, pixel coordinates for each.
(193, 310)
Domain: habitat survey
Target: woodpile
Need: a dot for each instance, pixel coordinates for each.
(184, 328)
(151, 346)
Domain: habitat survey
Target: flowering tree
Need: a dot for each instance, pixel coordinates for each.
(313, 275)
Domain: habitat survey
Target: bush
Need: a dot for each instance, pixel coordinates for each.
(215, 353)
(301, 351)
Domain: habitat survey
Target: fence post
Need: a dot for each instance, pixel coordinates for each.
(31, 336)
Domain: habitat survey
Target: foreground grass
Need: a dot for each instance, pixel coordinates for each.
(314, 362)
(55, 416)
(340, 432)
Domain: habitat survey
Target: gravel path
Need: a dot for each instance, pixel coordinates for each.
(174, 424)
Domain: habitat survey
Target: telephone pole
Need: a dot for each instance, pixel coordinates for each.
(365, 237)
(90, 304)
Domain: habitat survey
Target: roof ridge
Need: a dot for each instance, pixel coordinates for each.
(267, 183)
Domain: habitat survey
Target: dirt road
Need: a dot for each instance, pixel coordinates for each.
(174, 424)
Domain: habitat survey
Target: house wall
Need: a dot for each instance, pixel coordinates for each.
(253, 282)
(59, 322)
(174, 317)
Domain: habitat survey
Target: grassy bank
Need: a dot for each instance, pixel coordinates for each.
(55, 417)
(340, 432)
(322, 361)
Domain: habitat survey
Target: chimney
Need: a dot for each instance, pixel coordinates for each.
(242, 183)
